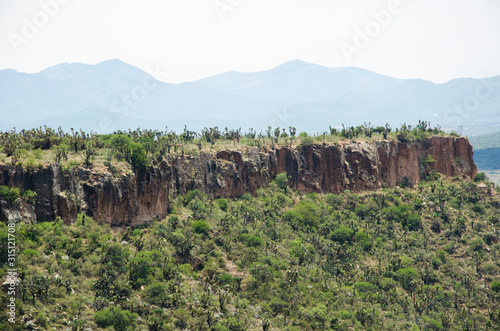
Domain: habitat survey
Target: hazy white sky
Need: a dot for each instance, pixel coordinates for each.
(436, 40)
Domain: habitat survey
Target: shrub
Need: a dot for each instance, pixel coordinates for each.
(480, 176)
(282, 181)
(200, 227)
(364, 287)
(119, 319)
(11, 194)
(222, 203)
(495, 286)
(185, 269)
(414, 223)
(155, 293)
(440, 254)
(246, 197)
(29, 196)
(343, 234)
(141, 268)
(30, 253)
(225, 279)
(277, 306)
(254, 241)
(138, 160)
(364, 240)
(362, 211)
(31, 166)
(308, 214)
(307, 141)
(406, 275)
(293, 218)
(191, 195)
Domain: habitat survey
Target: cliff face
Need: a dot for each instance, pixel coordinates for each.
(126, 199)
(135, 198)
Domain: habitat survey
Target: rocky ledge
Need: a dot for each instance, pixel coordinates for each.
(139, 197)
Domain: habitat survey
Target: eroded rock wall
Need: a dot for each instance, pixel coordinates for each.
(136, 198)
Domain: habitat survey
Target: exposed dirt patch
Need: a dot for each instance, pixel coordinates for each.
(232, 268)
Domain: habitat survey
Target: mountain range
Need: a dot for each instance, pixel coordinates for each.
(115, 95)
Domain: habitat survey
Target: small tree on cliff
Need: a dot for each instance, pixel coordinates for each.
(138, 160)
(282, 181)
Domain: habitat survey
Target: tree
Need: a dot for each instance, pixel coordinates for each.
(121, 320)
(200, 227)
(282, 181)
(139, 160)
(495, 286)
(60, 154)
(140, 270)
(480, 177)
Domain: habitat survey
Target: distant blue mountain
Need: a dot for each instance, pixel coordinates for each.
(114, 95)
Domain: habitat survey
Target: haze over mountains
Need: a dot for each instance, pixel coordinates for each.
(114, 95)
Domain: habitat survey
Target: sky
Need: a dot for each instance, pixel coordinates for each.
(184, 40)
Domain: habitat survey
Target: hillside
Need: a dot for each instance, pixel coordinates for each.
(487, 154)
(421, 258)
(366, 229)
(113, 95)
(485, 141)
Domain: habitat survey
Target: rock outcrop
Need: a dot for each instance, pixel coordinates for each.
(136, 198)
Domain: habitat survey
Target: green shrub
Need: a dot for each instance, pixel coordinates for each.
(29, 196)
(364, 287)
(414, 223)
(155, 293)
(225, 279)
(141, 269)
(307, 141)
(277, 306)
(440, 254)
(480, 177)
(334, 200)
(200, 227)
(246, 197)
(282, 180)
(254, 241)
(364, 240)
(185, 269)
(192, 195)
(222, 203)
(362, 211)
(343, 234)
(30, 253)
(293, 218)
(495, 286)
(121, 320)
(139, 160)
(308, 214)
(31, 166)
(406, 275)
(11, 194)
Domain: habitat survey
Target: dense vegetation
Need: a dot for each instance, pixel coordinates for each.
(422, 258)
(136, 150)
(396, 259)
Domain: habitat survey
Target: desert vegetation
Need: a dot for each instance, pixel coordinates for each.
(134, 150)
(414, 257)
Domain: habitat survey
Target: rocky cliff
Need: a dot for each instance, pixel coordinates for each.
(135, 198)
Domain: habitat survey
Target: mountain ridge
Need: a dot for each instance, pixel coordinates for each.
(282, 96)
